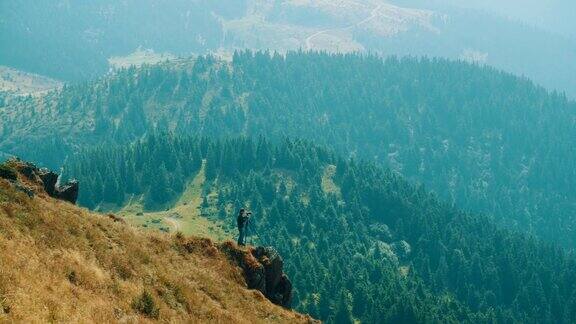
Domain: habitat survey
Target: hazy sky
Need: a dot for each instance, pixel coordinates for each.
(555, 15)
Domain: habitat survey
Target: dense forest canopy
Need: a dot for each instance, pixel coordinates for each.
(483, 140)
(368, 246)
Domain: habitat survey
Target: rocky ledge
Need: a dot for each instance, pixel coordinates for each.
(263, 271)
(32, 180)
(262, 267)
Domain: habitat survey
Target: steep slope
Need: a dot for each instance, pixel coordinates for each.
(63, 263)
(359, 242)
(482, 139)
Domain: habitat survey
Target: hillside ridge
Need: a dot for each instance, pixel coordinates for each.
(64, 263)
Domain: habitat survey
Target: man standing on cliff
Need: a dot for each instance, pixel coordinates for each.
(242, 222)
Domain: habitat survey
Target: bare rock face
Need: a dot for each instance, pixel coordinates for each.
(68, 192)
(263, 271)
(49, 180)
(278, 286)
(7, 173)
(29, 178)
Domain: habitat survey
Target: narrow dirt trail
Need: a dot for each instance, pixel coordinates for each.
(174, 223)
(373, 14)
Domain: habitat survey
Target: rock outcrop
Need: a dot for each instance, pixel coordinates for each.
(68, 191)
(30, 179)
(263, 271)
(49, 180)
(8, 173)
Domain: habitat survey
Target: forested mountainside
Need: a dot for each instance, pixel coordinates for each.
(460, 37)
(77, 40)
(62, 263)
(73, 40)
(360, 243)
(482, 139)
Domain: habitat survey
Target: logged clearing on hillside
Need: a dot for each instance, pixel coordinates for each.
(61, 263)
(22, 83)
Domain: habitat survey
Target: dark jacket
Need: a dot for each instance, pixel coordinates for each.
(242, 219)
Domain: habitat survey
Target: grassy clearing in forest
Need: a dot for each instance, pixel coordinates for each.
(139, 57)
(185, 216)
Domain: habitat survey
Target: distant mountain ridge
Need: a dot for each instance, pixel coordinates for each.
(73, 40)
(554, 15)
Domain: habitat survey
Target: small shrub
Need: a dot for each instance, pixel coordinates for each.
(146, 306)
(4, 307)
(173, 297)
(123, 268)
(72, 277)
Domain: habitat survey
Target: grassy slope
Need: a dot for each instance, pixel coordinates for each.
(63, 263)
(185, 216)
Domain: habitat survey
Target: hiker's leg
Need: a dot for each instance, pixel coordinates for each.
(239, 236)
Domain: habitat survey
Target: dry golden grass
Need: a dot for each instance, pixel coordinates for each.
(61, 263)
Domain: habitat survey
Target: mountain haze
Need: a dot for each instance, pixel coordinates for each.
(74, 40)
(552, 15)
